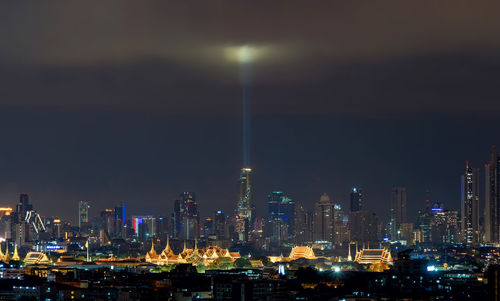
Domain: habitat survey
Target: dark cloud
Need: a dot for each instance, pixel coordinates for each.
(444, 83)
(134, 100)
(80, 32)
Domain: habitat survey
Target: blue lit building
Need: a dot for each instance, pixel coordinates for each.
(281, 217)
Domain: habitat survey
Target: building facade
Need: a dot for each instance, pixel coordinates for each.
(323, 219)
(470, 205)
(398, 211)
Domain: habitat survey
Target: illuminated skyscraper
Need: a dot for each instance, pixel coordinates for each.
(244, 208)
(245, 204)
(280, 224)
(185, 218)
(356, 199)
(83, 213)
(470, 205)
(398, 210)
(220, 225)
(323, 219)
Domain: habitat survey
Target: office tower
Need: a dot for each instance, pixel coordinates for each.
(20, 222)
(364, 227)
(280, 225)
(119, 221)
(185, 217)
(161, 227)
(424, 219)
(83, 213)
(398, 210)
(340, 225)
(5, 223)
(191, 220)
(208, 227)
(22, 207)
(356, 199)
(492, 199)
(177, 219)
(145, 227)
(220, 225)
(444, 225)
(470, 205)
(407, 233)
(304, 225)
(107, 224)
(323, 219)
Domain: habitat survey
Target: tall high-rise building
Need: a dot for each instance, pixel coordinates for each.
(323, 219)
(398, 210)
(364, 227)
(424, 220)
(444, 225)
(470, 205)
(220, 225)
(492, 199)
(120, 230)
(177, 219)
(107, 224)
(185, 217)
(145, 227)
(83, 213)
(340, 226)
(23, 207)
(21, 231)
(356, 199)
(208, 227)
(244, 207)
(304, 225)
(280, 225)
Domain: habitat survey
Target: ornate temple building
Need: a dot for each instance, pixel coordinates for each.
(195, 256)
(297, 252)
(36, 258)
(373, 256)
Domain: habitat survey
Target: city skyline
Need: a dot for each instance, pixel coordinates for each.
(249, 150)
(345, 203)
(154, 109)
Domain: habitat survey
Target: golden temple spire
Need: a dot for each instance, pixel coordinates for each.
(196, 244)
(6, 257)
(349, 257)
(1, 253)
(152, 251)
(15, 256)
(185, 247)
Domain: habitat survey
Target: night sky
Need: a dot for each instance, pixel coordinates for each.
(135, 101)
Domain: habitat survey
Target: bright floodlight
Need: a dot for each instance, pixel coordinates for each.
(245, 54)
(242, 54)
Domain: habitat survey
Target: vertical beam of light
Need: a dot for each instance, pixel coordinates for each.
(245, 77)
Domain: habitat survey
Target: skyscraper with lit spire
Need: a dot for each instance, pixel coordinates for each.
(244, 203)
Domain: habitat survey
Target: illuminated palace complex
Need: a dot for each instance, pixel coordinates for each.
(194, 256)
